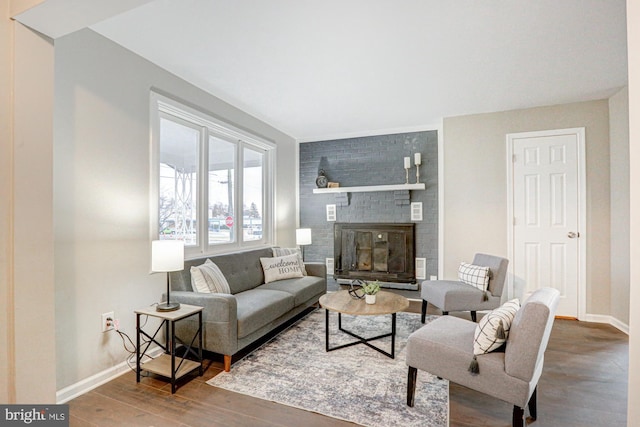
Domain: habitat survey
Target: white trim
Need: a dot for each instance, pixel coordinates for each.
(582, 206)
(441, 196)
(180, 110)
(609, 320)
(94, 381)
(360, 134)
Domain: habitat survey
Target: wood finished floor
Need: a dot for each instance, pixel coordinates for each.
(584, 383)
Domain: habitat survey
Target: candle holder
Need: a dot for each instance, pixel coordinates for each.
(407, 166)
(418, 162)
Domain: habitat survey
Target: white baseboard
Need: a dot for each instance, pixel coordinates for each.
(66, 394)
(610, 320)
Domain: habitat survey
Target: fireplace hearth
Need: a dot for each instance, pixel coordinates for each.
(375, 251)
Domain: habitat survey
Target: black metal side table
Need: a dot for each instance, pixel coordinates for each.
(165, 364)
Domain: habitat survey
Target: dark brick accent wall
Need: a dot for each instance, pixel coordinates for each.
(374, 160)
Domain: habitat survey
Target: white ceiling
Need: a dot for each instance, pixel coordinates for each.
(327, 69)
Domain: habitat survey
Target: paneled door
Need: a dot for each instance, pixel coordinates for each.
(547, 210)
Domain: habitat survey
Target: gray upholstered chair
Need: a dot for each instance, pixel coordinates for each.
(444, 348)
(453, 295)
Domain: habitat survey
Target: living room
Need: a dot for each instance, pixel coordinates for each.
(80, 201)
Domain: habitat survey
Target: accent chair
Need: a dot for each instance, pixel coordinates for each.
(455, 295)
(445, 346)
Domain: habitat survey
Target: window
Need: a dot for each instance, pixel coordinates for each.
(212, 183)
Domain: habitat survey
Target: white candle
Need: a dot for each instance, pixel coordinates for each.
(407, 162)
(418, 159)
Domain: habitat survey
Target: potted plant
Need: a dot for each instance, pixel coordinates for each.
(370, 290)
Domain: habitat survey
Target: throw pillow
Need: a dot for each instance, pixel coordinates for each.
(277, 251)
(279, 268)
(493, 330)
(474, 275)
(198, 282)
(208, 278)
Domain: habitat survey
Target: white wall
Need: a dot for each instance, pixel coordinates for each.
(619, 157)
(633, 48)
(101, 183)
(475, 185)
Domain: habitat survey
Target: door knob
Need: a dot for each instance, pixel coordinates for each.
(573, 235)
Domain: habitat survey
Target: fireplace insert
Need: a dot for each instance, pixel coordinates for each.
(374, 251)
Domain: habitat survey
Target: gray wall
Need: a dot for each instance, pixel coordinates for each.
(364, 161)
(102, 194)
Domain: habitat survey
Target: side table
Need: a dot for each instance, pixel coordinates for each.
(165, 364)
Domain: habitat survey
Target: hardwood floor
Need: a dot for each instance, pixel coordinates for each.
(584, 383)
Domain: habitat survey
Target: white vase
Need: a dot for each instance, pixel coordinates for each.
(370, 299)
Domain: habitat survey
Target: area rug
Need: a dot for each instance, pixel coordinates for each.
(356, 383)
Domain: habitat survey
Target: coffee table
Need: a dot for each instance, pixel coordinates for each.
(342, 303)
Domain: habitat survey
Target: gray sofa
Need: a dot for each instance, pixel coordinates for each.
(233, 321)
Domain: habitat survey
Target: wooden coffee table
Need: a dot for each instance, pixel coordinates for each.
(342, 303)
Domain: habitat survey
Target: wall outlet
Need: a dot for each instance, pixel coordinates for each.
(421, 268)
(416, 211)
(108, 321)
(433, 277)
(329, 263)
(331, 212)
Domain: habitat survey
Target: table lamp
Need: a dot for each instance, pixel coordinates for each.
(167, 256)
(303, 238)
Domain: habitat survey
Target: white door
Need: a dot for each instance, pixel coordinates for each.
(547, 199)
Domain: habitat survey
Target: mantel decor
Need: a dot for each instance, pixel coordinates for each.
(322, 181)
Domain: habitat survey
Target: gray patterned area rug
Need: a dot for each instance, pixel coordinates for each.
(356, 383)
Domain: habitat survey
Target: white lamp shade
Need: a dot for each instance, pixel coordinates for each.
(303, 236)
(167, 255)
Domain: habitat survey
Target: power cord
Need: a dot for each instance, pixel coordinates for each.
(130, 347)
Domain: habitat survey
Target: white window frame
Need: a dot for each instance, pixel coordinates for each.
(163, 105)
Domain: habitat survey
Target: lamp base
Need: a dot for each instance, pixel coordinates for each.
(171, 306)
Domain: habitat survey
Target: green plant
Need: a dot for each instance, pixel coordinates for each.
(371, 288)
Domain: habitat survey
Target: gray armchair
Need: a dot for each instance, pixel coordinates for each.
(444, 348)
(453, 295)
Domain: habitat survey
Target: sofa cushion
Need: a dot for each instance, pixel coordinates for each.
(241, 269)
(258, 307)
(453, 295)
(493, 329)
(302, 289)
(279, 268)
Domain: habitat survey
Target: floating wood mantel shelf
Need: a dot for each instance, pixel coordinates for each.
(369, 188)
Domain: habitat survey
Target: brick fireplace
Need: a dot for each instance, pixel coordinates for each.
(374, 251)
(369, 161)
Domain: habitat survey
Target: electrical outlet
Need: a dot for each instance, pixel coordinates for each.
(108, 321)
